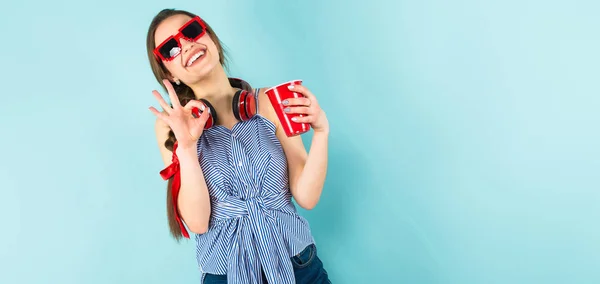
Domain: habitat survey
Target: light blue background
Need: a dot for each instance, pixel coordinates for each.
(464, 142)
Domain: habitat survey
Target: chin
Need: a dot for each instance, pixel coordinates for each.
(205, 69)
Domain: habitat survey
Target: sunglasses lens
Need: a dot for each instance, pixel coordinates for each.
(170, 49)
(192, 31)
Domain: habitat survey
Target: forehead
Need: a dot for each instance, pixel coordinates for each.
(169, 27)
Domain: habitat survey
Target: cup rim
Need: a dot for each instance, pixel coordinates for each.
(285, 83)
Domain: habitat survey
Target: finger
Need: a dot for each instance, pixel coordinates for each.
(204, 111)
(201, 120)
(161, 101)
(172, 95)
(159, 114)
(197, 107)
(297, 102)
(204, 117)
(303, 110)
(303, 119)
(302, 90)
(195, 104)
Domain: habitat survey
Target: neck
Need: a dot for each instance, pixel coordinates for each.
(216, 89)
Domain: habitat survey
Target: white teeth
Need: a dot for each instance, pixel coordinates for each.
(196, 56)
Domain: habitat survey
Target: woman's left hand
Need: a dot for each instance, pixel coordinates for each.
(308, 107)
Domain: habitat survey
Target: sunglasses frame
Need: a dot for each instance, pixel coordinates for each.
(179, 36)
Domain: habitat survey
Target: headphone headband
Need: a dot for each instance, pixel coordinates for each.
(240, 84)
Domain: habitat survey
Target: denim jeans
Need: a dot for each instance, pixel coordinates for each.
(308, 269)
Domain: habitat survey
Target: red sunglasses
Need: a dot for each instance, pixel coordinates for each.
(171, 47)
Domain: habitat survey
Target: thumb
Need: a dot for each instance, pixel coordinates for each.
(200, 111)
(196, 107)
(204, 115)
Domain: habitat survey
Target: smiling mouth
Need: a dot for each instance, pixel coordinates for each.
(195, 58)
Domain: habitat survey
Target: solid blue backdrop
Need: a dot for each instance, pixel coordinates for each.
(464, 137)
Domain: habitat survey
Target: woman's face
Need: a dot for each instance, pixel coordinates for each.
(196, 58)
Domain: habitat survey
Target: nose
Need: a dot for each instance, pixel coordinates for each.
(186, 45)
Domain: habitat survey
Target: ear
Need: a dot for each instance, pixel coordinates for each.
(173, 79)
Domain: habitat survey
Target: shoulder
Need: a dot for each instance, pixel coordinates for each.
(161, 128)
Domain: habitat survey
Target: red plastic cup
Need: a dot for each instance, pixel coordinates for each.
(277, 95)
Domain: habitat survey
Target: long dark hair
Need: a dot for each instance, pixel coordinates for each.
(184, 92)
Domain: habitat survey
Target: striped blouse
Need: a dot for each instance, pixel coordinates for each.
(254, 227)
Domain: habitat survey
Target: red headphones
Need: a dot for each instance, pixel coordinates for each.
(243, 104)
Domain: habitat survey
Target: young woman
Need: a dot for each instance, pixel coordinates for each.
(231, 175)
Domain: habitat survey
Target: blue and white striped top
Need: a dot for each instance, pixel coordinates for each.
(254, 227)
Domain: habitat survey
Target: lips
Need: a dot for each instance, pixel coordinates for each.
(195, 56)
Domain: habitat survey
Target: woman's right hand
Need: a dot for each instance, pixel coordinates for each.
(185, 126)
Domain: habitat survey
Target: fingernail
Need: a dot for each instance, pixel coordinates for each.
(291, 87)
(294, 118)
(285, 102)
(287, 109)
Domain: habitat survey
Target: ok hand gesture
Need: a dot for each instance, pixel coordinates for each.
(185, 126)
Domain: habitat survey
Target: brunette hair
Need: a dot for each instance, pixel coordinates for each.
(184, 93)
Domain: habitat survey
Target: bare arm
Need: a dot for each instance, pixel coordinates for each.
(193, 201)
(307, 171)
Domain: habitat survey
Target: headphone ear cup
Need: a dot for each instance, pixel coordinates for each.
(250, 104)
(212, 115)
(235, 105)
(244, 105)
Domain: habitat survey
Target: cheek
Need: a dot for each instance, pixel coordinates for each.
(212, 47)
(215, 55)
(174, 66)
